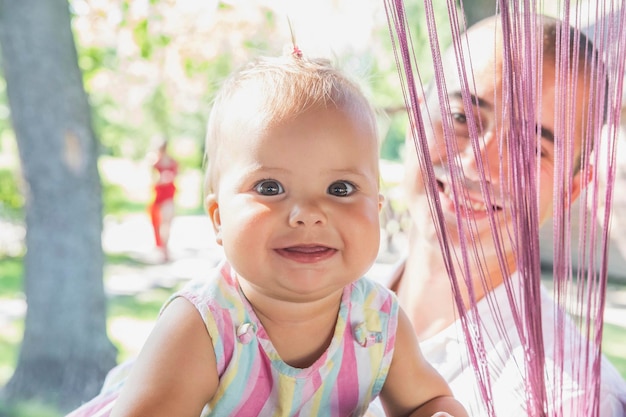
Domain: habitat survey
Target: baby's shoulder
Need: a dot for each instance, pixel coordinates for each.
(372, 295)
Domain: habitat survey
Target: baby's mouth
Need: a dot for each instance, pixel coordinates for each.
(307, 253)
(308, 249)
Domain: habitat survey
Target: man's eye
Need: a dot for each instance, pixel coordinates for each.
(341, 189)
(545, 143)
(541, 151)
(269, 187)
(459, 117)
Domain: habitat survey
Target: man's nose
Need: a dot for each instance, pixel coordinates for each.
(488, 158)
(306, 214)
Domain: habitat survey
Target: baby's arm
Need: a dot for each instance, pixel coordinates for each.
(175, 373)
(413, 387)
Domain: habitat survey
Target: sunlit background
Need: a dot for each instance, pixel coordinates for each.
(151, 69)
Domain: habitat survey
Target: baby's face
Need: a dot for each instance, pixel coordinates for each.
(297, 204)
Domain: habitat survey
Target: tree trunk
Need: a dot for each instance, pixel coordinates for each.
(65, 352)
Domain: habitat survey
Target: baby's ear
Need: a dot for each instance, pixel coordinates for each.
(381, 201)
(213, 209)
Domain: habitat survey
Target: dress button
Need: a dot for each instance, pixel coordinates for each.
(245, 333)
(365, 337)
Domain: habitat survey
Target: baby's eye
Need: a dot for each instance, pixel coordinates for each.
(269, 187)
(341, 189)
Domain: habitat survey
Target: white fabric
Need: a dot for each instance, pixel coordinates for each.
(447, 352)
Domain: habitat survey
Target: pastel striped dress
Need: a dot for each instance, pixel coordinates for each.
(254, 381)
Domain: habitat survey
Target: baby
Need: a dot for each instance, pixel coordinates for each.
(286, 325)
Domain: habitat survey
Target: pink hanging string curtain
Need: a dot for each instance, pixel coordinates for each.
(580, 233)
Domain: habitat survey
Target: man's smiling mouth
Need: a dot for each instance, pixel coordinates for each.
(466, 200)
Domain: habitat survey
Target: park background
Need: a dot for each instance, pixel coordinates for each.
(150, 69)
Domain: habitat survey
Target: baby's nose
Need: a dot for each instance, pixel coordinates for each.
(306, 213)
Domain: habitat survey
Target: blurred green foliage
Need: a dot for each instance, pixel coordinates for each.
(147, 42)
(93, 59)
(116, 201)
(163, 118)
(11, 195)
(11, 270)
(131, 133)
(393, 143)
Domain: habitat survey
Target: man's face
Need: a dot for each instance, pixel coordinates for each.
(481, 167)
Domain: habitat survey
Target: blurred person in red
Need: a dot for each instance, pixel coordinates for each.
(162, 208)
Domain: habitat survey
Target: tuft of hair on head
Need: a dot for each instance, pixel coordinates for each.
(296, 52)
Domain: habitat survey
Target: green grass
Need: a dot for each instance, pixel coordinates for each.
(28, 410)
(123, 259)
(613, 343)
(10, 340)
(144, 306)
